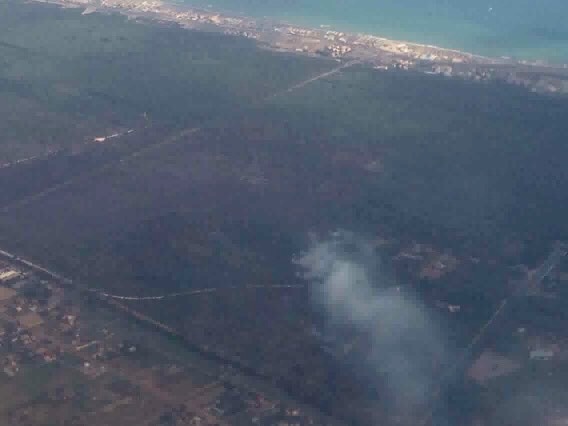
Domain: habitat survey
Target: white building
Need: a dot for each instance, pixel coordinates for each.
(541, 355)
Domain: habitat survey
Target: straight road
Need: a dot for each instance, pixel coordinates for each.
(249, 376)
(197, 291)
(477, 344)
(144, 151)
(93, 173)
(316, 78)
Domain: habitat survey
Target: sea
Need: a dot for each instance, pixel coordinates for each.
(520, 29)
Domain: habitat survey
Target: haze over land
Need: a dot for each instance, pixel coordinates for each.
(180, 175)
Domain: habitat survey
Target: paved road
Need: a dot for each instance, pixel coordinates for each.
(172, 139)
(477, 344)
(316, 78)
(96, 172)
(34, 266)
(559, 252)
(196, 292)
(251, 376)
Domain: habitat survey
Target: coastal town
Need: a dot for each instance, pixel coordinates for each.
(379, 52)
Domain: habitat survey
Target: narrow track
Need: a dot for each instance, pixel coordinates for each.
(476, 344)
(316, 78)
(196, 292)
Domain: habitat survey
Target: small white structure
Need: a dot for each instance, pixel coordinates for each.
(454, 308)
(541, 355)
(8, 274)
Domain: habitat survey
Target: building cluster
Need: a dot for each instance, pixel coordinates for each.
(26, 302)
(378, 51)
(426, 262)
(381, 52)
(228, 404)
(167, 12)
(411, 51)
(39, 323)
(46, 325)
(542, 84)
(143, 6)
(532, 81)
(338, 50)
(247, 34)
(296, 31)
(335, 36)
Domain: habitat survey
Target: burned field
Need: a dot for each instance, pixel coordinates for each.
(225, 177)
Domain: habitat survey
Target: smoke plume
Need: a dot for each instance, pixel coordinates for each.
(352, 289)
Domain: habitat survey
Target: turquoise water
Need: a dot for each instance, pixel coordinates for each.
(528, 29)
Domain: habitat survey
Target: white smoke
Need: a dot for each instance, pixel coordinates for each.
(352, 288)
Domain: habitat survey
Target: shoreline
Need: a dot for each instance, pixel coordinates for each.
(328, 27)
(379, 52)
(301, 22)
(335, 28)
(160, 8)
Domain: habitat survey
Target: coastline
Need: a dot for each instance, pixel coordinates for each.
(327, 27)
(163, 10)
(379, 52)
(442, 27)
